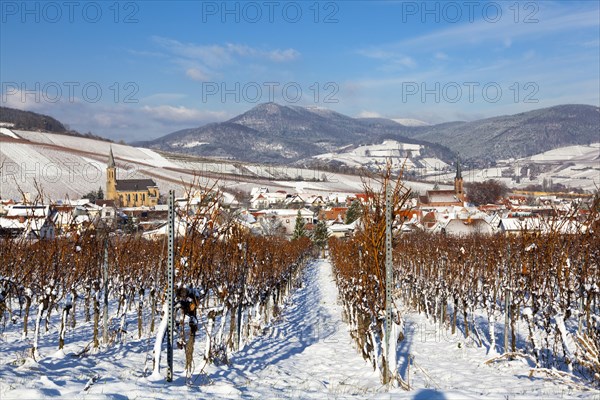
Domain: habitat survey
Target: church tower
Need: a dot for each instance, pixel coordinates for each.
(111, 177)
(458, 182)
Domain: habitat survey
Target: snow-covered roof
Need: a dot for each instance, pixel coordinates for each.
(442, 196)
(163, 230)
(286, 212)
(517, 224)
(467, 226)
(21, 210)
(341, 227)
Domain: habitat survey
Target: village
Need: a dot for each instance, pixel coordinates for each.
(135, 206)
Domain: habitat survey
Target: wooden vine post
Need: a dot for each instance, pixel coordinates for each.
(388, 282)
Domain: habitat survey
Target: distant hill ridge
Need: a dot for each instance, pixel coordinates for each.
(32, 121)
(274, 133)
(285, 134)
(518, 135)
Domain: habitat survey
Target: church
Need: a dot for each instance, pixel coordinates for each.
(129, 192)
(446, 198)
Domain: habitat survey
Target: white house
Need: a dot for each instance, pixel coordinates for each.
(33, 221)
(469, 226)
(287, 217)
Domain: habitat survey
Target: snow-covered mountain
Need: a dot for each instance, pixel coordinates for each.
(514, 136)
(410, 122)
(287, 134)
(412, 158)
(284, 134)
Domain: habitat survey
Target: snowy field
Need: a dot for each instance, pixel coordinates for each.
(572, 166)
(376, 156)
(69, 167)
(306, 353)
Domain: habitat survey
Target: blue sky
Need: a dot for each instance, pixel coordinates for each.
(139, 70)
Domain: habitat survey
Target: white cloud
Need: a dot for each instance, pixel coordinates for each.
(168, 113)
(283, 55)
(162, 98)
(369, 114)
(128, 122)
(392, 60)
(440, 55)
(215, 55)
(196, 74)
(27, 101)
(376, 53)
(203, 62)
(591, 43)
(551, 20)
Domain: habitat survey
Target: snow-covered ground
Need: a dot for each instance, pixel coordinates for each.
(376, 155)
(68, 166)
(8, 132)
(572, 166)
(455, 368)
(410, 122)
(306, 353)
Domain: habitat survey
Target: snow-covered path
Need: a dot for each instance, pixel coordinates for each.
(308, 354)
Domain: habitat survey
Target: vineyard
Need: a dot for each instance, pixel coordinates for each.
(253, 309)
(229, 283)
(542, 290)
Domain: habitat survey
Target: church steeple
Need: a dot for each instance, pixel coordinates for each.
(111, 159)
(111, 177)
(458, 182)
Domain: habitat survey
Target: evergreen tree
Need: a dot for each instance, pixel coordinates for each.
(320, 235)
(100, 195)
(91, 196)
(130, 226)
(354, 212)
(299, 229)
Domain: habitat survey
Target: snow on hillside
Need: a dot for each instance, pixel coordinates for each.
(572, 166)
(101, 148)
(410, 122)
(68, 166)
(374, 156)
(432, 163)
(187, 145)
(8, 132)
(320, 110)
(374, 153)
(589, 153)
